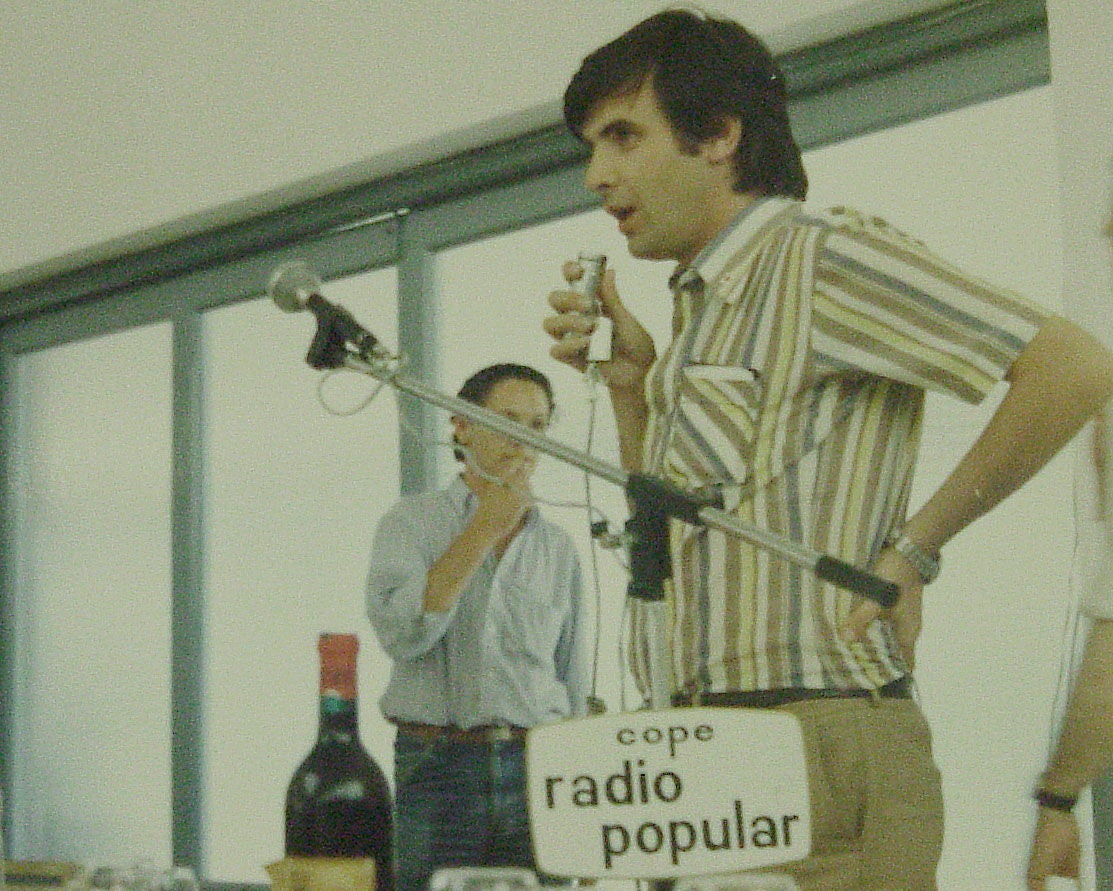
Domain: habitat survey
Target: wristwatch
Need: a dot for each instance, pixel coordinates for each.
(927, 565)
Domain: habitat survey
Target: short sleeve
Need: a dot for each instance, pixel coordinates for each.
(887, 305)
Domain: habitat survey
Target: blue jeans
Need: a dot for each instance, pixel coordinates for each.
(458, 804)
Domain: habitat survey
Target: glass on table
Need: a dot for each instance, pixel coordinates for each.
(138, 876)
(483, 878)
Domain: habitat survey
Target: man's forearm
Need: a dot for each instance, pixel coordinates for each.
(1085, 748)
(1061, 379)
(630, 414)
(450, 573)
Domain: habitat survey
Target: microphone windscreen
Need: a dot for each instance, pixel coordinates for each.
(292, 284)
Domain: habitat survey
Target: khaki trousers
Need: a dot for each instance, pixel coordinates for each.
(876, 801)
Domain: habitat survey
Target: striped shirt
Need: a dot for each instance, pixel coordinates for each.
(802, 348)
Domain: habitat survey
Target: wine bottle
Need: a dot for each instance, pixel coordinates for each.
(338, 803)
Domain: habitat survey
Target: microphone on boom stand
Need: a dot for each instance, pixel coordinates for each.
(294, 287)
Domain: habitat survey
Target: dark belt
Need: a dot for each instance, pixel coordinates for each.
(485, 734)
(901, 688)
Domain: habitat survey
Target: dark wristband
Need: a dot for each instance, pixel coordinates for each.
(1051, 801)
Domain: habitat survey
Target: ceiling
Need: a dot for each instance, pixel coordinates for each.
(121, 117)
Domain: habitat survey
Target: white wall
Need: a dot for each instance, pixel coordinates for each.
(1081, 36)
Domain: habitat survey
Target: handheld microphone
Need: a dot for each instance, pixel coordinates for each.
(599, 345)
(295, 287)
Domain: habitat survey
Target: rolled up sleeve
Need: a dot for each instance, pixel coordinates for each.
(396, 590)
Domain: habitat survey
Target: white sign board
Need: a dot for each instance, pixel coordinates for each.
(658, 794)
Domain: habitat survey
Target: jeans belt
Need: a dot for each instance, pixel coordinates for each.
(901, 688)
(484, 734)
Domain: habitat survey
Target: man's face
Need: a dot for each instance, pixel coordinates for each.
(669, 201)
(497, 455)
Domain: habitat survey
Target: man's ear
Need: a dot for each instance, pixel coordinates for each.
(721, 147)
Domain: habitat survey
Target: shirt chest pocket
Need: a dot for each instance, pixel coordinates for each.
(530, 622)
(718, 411)
(530, 601)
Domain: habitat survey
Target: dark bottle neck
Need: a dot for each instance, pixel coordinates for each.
(338, 714)
(339, 718)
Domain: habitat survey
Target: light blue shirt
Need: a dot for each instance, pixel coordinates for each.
(511, 650)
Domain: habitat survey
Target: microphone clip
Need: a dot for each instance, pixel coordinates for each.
(338, 336)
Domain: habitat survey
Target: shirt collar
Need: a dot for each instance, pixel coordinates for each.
(458, 493)
(709, 263)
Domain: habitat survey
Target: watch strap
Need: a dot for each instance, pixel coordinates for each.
(1051, 801)
(926, 564)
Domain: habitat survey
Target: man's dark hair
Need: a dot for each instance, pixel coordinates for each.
(479, 386)
(704, 71)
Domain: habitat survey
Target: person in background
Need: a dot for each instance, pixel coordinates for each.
(477, 598)
(1084, 750)
(793, 387)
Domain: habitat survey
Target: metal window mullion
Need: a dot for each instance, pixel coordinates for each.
(7, 589)
(187, 611)
(419, 343)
